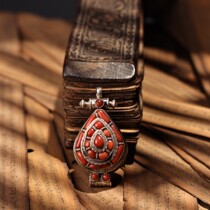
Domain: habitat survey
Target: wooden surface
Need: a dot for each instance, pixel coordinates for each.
(196, 22)
(171, 169)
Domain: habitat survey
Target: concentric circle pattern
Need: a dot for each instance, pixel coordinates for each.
(100, 146)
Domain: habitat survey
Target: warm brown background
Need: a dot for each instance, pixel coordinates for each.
(172, 162)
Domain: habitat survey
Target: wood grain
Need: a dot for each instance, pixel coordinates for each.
(9, 37)
(145, 190)
(161, 84)
(51, 102)
(201, 169)
(177, 115)
(30, 74)
(154, 154)
(49, 185)
(13, 148)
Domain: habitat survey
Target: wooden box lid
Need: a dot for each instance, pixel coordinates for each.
(104, 43)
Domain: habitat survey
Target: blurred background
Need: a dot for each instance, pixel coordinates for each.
(50, 8)
(67, 9)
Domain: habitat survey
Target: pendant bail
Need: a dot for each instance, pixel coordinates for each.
(98, 102)
(99, 92)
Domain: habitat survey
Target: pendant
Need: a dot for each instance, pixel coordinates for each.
(100, 146)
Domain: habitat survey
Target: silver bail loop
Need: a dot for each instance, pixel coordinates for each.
(99, 92)
(91, 103)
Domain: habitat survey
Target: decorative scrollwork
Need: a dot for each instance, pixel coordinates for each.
(105, 30)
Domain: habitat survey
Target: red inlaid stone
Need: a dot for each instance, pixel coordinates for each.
(90, 132)
(107, 133)
(98, 125)
(117, 133)
(93, 167)
(94, 176)
(110, 145)
(81, 158)
(87, 143)
(106, 177)
(99, 103)
(90, 119)
(91, 154)
(78, 143)
(102, 114)
(103, 155)
(99, 142)
(120, 150)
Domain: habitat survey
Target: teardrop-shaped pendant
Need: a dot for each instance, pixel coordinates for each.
(99, 146)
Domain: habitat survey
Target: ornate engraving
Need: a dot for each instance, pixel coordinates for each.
(105, 31)
(99, 145)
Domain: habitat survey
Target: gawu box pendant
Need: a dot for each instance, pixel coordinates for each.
(103, 71)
